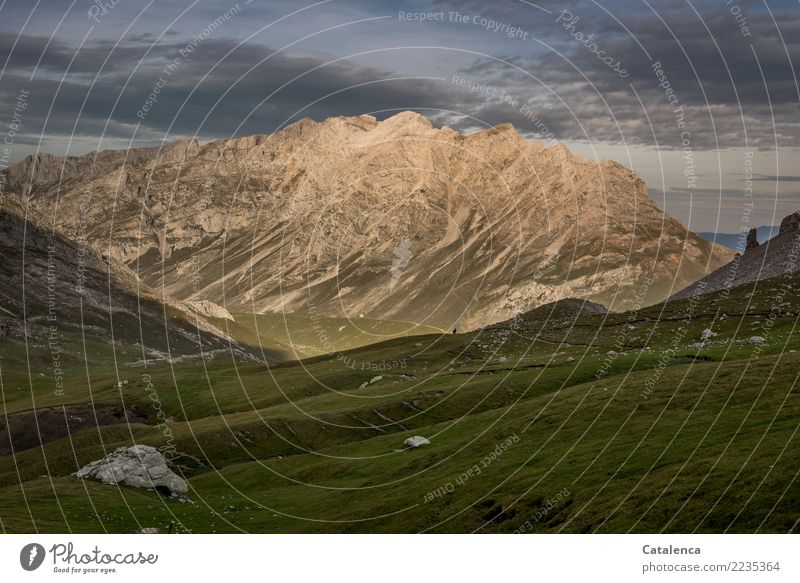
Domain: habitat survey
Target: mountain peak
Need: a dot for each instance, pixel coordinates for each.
(790, 222)
(316, 219)
(408, 117)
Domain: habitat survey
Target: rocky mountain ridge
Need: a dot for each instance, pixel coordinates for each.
(355, 217)
(772, 258)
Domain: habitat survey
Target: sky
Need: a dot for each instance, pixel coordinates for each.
(701, 98)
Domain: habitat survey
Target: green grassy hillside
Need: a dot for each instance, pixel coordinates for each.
(604, 423)
(304, 335)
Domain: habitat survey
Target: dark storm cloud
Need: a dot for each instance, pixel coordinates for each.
(573, 95)
(201, 77)
(42, 57)
(108, 86)
(732, 82)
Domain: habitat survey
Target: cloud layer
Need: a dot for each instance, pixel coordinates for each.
(731, 79)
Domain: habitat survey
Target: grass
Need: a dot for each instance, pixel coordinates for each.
(618, 423)
(305, 335)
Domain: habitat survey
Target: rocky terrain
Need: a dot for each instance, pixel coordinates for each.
(52, 287)
(390, 219)
(773, 258)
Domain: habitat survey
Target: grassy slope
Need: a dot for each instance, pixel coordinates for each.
(298, 447)
(305, 336)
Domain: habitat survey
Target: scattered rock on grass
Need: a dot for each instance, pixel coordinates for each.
(707, 333)
(415, 441)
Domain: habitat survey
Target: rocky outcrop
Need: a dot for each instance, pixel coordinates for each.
(772, 258)
(790, 223)
(14, 329)
(139, 466)
(393, 219)
(752, 240)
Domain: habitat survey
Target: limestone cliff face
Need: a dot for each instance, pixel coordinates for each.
(389, 219)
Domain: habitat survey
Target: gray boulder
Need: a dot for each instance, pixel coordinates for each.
(415, 441)
(707, 334)
(140, 466)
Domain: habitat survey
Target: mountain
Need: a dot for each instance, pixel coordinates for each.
(737, 241)
(355, 217)
(773, 258)
(56, 293)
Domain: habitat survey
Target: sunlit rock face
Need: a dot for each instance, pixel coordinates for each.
(390, 219)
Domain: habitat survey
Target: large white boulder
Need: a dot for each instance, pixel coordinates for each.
(415, 441)
(140, 466)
